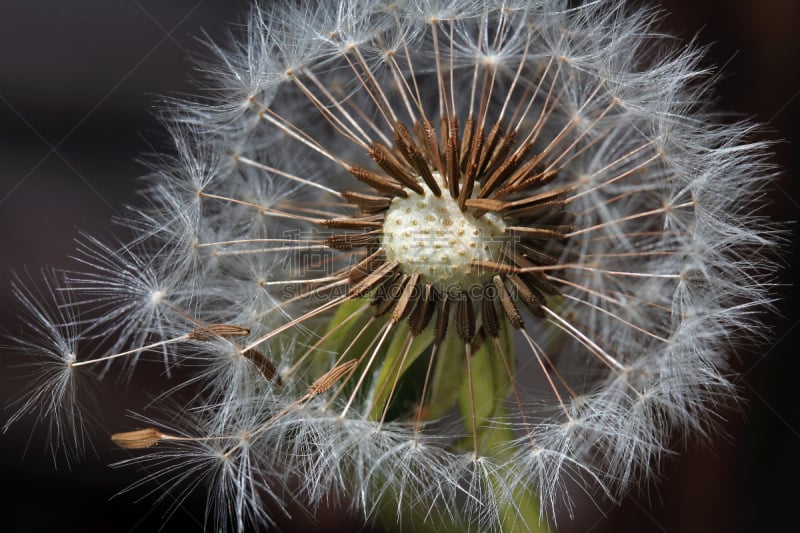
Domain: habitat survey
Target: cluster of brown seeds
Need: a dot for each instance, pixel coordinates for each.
(487, 175)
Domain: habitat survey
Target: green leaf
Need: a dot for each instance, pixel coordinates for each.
(394, 367)
(448, 374)
(341, 332)
(491, 365)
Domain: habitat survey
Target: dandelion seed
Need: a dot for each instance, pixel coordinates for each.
(382, 202)
(51, 344)
(140, 438)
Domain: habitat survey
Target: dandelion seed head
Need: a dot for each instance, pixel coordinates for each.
(449, 255)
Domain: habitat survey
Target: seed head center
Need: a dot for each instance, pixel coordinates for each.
(431, 236)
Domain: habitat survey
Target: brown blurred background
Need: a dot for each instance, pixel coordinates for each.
(78, 84)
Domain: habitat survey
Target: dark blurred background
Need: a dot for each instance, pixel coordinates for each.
(79, 83)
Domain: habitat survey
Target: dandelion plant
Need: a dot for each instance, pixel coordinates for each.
(444, 261)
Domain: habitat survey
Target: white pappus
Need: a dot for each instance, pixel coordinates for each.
(447, 257)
